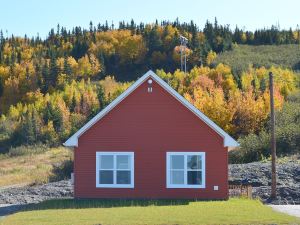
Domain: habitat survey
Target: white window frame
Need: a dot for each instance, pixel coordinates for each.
(185, 185)
(115, 185)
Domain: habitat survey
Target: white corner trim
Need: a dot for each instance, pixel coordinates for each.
(228, 140)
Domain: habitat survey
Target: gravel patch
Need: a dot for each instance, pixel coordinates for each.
(258, 175)
(36, 194)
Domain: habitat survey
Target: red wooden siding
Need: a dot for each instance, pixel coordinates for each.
(150, 124)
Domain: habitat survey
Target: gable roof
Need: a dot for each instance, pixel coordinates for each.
(228, 140)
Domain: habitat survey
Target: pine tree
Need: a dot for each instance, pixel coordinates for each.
(46, 78)
(194, 42)
(28, 129)
(54, 71)
(106, 27)
(58, 30)
(102, 64)
(73, 103)
(67, 67)
(37, 126)
(1, 39)
(154, 41)
(101, 97)
(91, 27)
(262, 85)
(132, 27)
(1, 85)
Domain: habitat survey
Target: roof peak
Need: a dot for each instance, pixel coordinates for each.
(228, 140)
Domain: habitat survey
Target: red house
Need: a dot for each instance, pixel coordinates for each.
(150, 142)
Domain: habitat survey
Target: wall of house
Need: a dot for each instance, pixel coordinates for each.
(150, 124)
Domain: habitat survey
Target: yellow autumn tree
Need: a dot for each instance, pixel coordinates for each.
(211, 56)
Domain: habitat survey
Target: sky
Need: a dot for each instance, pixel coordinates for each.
(32, 17)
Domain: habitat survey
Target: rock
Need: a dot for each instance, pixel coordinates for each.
(258, 175)
(35, 194)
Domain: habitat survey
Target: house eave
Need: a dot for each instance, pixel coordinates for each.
(227, 139)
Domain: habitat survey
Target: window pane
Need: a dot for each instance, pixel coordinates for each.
(194, 177)
(106, 177)
(123, 177)
(194, 162)
(177, 177)
(123, 162)
(106, 162)
(177, 161)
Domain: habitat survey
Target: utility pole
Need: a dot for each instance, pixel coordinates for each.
(273, 138)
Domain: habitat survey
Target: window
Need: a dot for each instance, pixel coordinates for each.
(185, 170)
(115, 169)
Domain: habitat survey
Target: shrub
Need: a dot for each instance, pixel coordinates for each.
(252, 148)
(62, 171)
(255, 147)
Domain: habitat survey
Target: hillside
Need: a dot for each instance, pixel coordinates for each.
(241, 56)
(50, 87)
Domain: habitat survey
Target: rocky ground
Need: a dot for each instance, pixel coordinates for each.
(256, 174)
(35, 194)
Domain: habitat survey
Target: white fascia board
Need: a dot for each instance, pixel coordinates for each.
(73, 140)
(228, 140)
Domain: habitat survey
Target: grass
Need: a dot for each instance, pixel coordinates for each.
(84, 212)
(32, 168)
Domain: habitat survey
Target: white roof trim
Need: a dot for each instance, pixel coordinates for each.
(228, 140)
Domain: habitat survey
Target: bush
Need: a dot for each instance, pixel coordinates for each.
(252, 148)
(62, 171)
(257, 147)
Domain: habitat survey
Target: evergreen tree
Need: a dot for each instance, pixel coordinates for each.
(194, 43)
(67, 67)
(101, 97)
(154, 41)
(37, 126)
(58, 30)
(1, 85)
(53, 72)
(46, 78)
(1, 39)
(132, 27)
(262, 85)
(73, 103)
(102, 64)
(91, 27)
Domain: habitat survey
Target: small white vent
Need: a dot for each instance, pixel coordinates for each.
(150, 85)
(216, 188)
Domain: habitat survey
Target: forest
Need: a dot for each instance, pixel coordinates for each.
(50, 87)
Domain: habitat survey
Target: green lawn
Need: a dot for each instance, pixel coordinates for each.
(234, 211)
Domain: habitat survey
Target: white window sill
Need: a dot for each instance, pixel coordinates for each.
(186, 186)
(114, 186)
